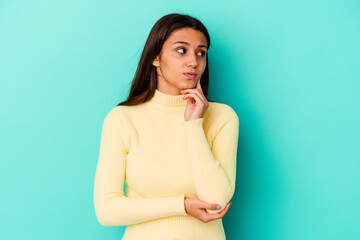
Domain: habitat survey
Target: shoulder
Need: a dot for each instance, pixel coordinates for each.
(117, 111)
(116, 115)
(218, 117)
(115, 126)
(112, 114)
(221, 112)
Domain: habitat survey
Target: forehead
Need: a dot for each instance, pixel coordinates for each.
(192, 36)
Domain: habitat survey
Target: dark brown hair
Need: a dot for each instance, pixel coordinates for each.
(145, 80)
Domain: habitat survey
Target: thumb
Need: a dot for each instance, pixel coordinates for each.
(213, 206)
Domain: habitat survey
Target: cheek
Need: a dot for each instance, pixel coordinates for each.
(203, 62)
(203, 66)
(171, 67)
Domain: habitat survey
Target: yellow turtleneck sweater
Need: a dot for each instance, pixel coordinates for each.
(161, 158)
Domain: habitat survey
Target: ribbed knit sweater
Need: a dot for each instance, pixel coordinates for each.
(161, 158)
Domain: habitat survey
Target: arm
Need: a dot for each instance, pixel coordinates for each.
(112, 208)
(214, 170)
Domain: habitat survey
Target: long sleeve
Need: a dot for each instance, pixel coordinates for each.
(214, 169)
(112, 208)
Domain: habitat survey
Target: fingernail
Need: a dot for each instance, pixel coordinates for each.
(217, 207)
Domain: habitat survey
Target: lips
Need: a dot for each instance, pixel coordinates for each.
(190, 74)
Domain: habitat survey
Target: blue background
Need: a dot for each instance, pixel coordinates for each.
(290, 69)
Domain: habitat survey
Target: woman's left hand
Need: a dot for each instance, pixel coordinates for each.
(198, 108)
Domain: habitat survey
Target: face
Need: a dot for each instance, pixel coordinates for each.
(184, 51)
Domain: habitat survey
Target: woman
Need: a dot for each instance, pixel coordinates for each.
(174, 150)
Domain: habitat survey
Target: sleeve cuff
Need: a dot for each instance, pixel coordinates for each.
(182, 200)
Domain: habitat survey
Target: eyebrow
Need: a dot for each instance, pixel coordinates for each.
(186, 43)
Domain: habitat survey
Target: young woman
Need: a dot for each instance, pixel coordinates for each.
(174, 149)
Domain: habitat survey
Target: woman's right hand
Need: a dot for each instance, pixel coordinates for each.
(197, 208)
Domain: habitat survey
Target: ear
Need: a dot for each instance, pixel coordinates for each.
(156, 61)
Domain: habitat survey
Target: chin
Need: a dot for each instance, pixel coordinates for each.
(189, 84)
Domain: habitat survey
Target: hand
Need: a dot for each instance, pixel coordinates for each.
(196, 208)
(197, 103)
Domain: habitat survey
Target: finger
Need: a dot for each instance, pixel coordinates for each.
(211, 206)
(200, 94)
(224, 211)
(198, 86)
(190, 100)
(196, 97)
(220, 214)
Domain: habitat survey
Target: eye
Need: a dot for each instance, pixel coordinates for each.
(203, 53)
(180, 49)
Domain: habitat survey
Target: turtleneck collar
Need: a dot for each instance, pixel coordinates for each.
(167, 102)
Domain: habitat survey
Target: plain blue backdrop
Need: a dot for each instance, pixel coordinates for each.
(290, 70)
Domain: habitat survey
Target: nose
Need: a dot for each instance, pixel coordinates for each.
(192, 60)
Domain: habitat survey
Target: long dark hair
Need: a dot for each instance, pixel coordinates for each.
(145, 80)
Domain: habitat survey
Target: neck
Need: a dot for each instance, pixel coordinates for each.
(168, 102)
